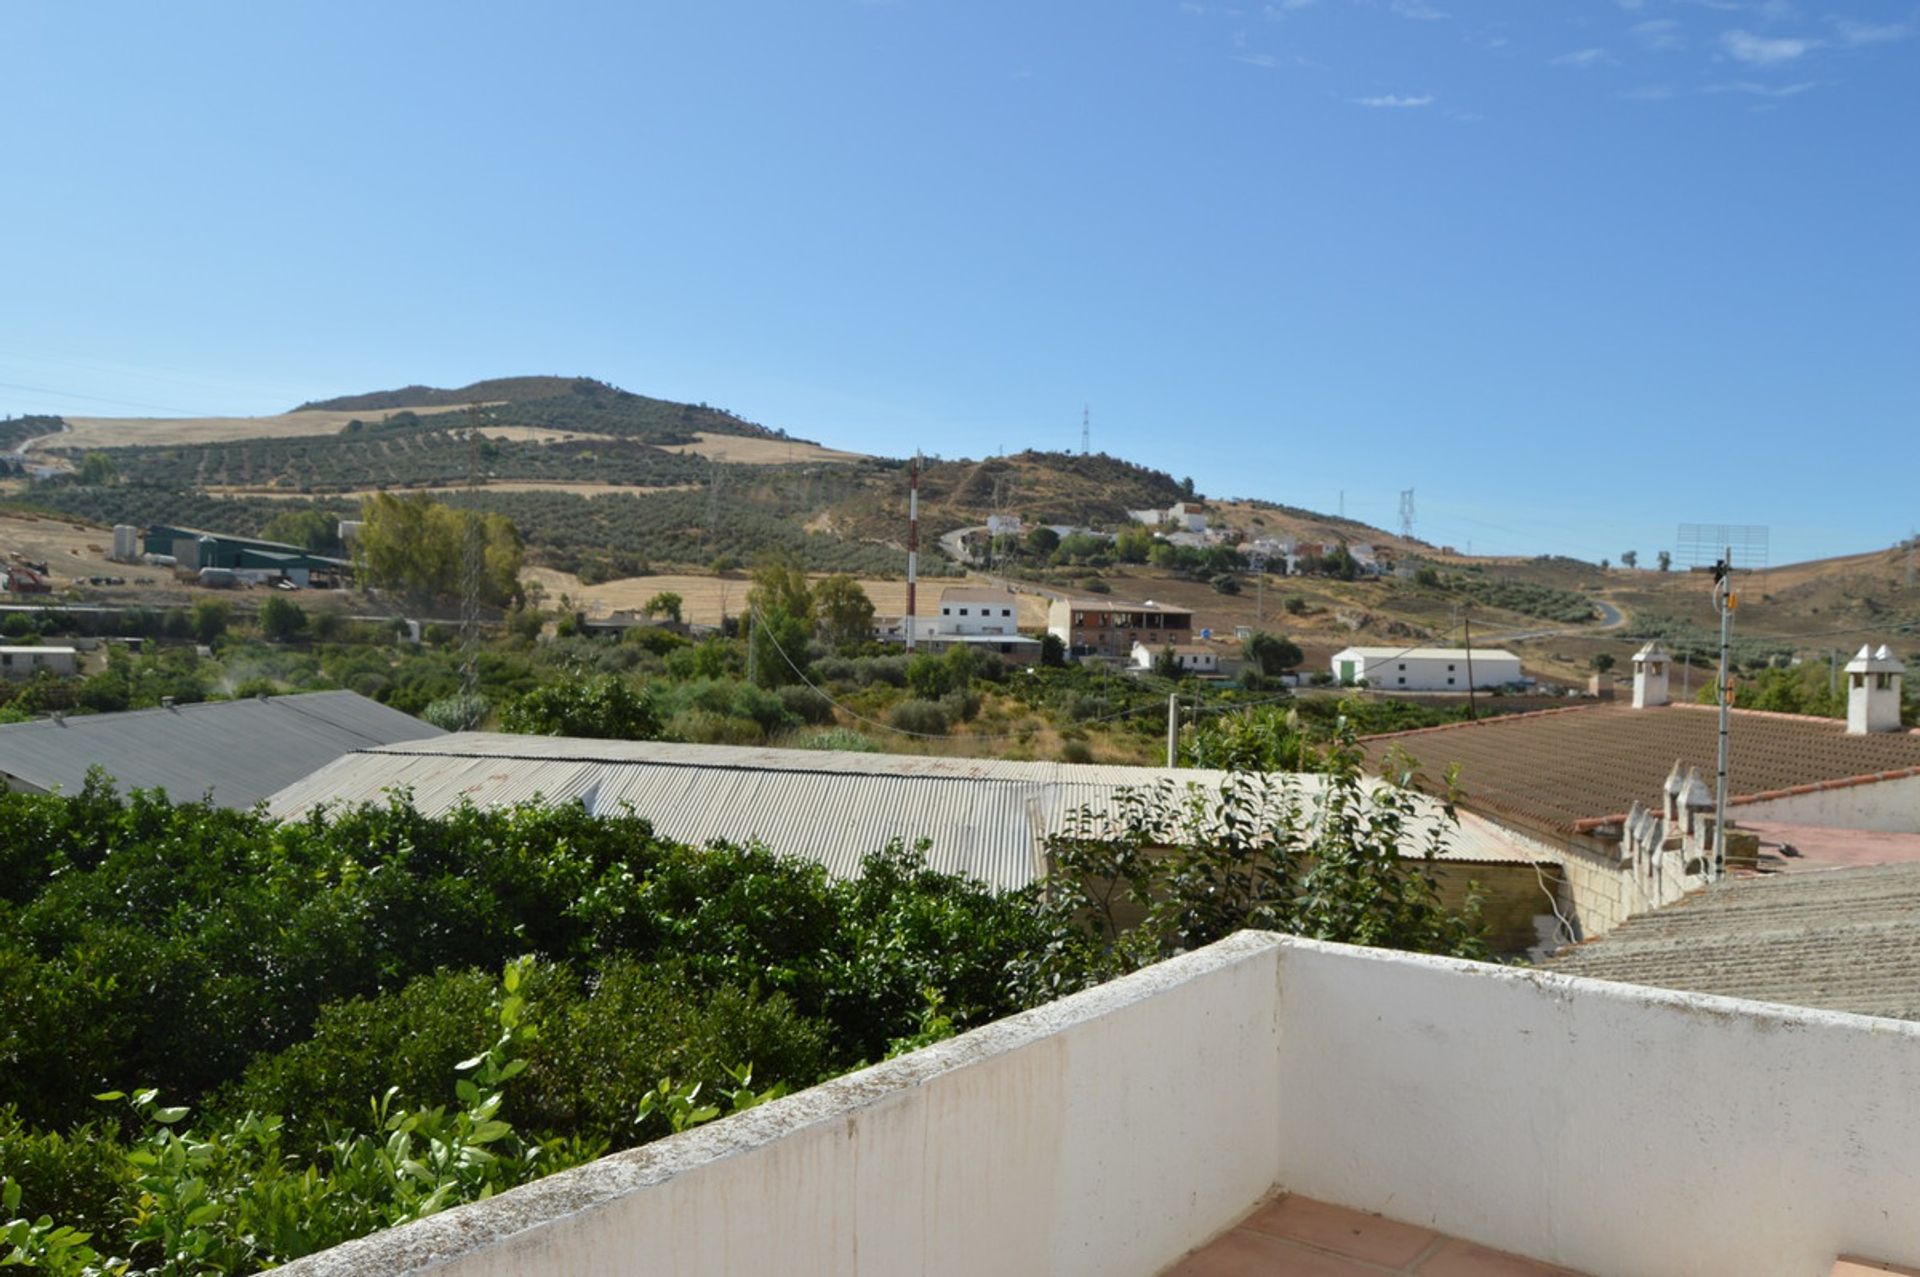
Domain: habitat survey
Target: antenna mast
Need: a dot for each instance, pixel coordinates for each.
(1086, 429)
(913, 542)
(1406, 514)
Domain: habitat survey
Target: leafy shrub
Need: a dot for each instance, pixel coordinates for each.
(461, 713)
(924, 718)
(890, 670)
(602, 706)
(839, 738)
(805, 704)
(1076, 751)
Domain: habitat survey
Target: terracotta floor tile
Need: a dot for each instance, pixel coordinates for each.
(1349, 1232)
(1245, 1254)
(1464, 1259)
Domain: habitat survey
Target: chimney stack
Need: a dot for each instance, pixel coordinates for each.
(1873, 691)
(1651, 666)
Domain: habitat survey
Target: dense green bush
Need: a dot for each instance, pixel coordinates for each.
(923, 718)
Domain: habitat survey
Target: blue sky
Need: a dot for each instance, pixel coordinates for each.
(1574, 270)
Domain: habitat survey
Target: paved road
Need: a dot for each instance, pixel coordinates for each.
(1611, 618)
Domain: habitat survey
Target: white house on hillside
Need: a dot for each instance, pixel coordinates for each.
(1426, 669)
(1192, 657)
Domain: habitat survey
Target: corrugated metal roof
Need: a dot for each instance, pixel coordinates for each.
(985, 818)
(1843, 939)
(242, 751)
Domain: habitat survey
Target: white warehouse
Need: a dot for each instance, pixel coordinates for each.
(1426, 669)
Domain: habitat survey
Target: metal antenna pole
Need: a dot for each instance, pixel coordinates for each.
(913, 545)
(1724, 598)
(1173, 728)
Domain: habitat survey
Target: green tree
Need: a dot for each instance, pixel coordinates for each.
(1665, 560)
(1272, 654)
(1166, 662)
(1133, 544)
(1341, 565)
(97, 470)
(1630, 559)
(843, 612)
(415, 545)
(1042, 542)
(1226, 583)
(780, 604)
(312, 529)
(665, 604)
(1602, 662)
(281, 619)
(212, 619)
(603, 706)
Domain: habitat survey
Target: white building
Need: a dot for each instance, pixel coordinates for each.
(972, 609)
(25, 662)
(1003, 525)
(1186, 516)
(1426, 669)
(1192, 657)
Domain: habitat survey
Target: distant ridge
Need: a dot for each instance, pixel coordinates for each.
(493, 390)
(571, 403)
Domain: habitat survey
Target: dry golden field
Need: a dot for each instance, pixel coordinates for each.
(743, 450)
(507, 485)
(123, 432)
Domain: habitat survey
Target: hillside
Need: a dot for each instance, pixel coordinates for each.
(492, 390)
(579, 404)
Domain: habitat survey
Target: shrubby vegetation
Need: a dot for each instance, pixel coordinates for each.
(228, 1043)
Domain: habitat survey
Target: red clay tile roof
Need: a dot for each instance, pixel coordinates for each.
(1560, 768)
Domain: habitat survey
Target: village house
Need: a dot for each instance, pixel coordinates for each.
(1426, 669)
(1109, 630)
(1189, 658)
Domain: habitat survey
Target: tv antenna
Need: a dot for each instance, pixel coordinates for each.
(1723, 549)
(1406, 514)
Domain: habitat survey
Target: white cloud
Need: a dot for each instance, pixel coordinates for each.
(1586, 59)
(1395, 100)
(1658, 34)
(1858, 33)
(1418, 10)
(1761, 90)
(1764, 51)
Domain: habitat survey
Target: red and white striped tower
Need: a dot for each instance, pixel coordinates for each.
(913, 542)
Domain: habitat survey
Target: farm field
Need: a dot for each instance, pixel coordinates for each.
(454, 489)
(754, 451)
(135, 432)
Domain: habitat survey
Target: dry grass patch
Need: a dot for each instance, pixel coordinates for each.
(748, 450)
(135, 432)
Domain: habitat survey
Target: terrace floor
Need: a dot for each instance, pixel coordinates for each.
(1294, 1236)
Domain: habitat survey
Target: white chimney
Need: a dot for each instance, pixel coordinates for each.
(1873, 691)
(1650, 674)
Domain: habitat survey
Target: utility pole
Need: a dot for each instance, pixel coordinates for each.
(1725, 600)
(1473, 714)
(1173, 728)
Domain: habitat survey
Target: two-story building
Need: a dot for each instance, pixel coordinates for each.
(1108, 630)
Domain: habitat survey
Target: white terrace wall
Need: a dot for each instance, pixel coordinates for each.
(1107, 1133)
(1620, 1131)
(1885, 806)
